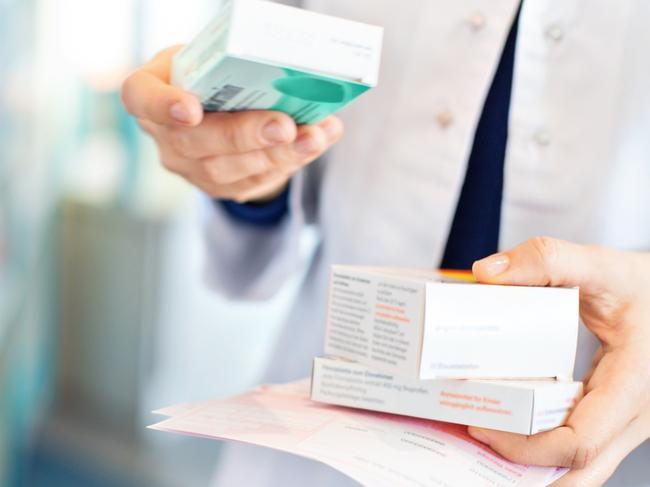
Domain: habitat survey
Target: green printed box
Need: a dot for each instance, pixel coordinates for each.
(259, 55)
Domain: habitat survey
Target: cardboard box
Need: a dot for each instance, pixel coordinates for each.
(258, 55)
(414, 324)
(524, 407)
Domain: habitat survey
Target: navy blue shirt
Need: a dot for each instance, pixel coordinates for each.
(474, 232)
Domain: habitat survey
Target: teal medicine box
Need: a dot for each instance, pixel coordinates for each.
(258, 55)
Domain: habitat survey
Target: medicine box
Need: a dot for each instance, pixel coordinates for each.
(524, 407)
(415, 324)
(259, 55)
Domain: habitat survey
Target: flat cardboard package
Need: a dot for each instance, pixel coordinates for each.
(258, 55)
(524, 407)
(415, 324)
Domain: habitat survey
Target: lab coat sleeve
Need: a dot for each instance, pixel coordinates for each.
(250, 262)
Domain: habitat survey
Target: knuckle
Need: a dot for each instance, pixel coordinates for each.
(258, 163)
(546, 249)
(213, 173)
(172, 164)
(280, 157)
(179, 141)
(582, 456)
(168, 162)
(232, 137)
(318, 146)
(513, 453)
(520, 451)
(259, 179)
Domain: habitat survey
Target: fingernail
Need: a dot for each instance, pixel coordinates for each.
(494, 265)
(274, 132)
(478, 435)
(180, 113)
(305, 145)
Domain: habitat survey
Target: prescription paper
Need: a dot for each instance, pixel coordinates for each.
(374, 449)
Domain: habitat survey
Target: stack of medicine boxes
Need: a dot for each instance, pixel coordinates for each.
(411, 342)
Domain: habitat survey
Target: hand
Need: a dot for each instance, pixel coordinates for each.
(242, 156)
(613, 417)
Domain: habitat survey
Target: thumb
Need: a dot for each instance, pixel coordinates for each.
(542, 261)
(147, 94)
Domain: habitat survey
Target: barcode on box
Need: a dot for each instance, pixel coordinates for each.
(217, 101)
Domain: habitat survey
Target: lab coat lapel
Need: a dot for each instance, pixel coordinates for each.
(410, 160)
(563, 119)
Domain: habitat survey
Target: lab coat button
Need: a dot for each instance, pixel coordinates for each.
(444, 119)
(542, 138)
(476, 21)
(555, 33)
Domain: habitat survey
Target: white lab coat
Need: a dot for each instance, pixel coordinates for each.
(577, 166)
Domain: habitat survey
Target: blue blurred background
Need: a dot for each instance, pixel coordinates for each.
(103, 312)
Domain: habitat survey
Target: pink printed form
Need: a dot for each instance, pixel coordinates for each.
(375, 449)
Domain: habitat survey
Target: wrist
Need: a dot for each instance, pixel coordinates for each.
(260, 213)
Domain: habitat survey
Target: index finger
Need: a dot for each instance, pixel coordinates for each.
(232, 133)
(147, 94)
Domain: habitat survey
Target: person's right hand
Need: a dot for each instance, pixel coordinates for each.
(613, 417)
(242, 156)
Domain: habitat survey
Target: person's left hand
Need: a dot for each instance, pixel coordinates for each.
(613, 417)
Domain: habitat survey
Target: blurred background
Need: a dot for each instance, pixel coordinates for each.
(103, 312)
